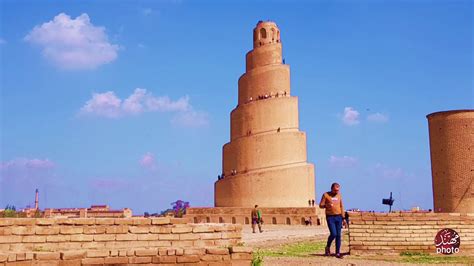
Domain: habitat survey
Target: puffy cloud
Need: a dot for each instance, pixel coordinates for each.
(191, 119)
(108, 105)
(377, 118)
(73, 43)
(342, 162)
(164, 104)
(350, 117)
(24, 163)
(105, 104)
(133, 104)
(148, 161)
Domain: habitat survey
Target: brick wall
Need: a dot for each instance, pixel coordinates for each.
(240, 215)
(398, 232)
(76, 241)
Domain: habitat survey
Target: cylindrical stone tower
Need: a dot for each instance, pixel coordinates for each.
(265, 161)
(452, 160)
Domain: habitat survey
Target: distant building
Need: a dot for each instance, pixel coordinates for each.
(95, 211)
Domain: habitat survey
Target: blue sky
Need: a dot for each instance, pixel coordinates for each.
(127, 103)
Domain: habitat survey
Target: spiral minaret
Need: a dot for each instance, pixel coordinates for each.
(265, 162)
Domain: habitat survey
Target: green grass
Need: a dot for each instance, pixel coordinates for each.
(302, 249)
(308, 248)
(419, 257)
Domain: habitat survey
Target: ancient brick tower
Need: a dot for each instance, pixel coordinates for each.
(452, 160)
(265, 161)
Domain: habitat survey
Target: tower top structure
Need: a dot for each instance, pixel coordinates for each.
(266, 32)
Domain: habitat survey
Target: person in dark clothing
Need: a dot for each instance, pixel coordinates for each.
(256, 219)
(347, 219)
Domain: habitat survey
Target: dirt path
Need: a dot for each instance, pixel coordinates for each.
(275, 234)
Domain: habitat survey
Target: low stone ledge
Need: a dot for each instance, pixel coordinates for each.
(78, 241)
(387, 233)
(132, 256)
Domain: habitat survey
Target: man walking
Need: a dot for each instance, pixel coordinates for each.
(332, 202)
(256, 219)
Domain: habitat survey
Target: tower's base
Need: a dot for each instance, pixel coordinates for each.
(240, 215)
(285, 186)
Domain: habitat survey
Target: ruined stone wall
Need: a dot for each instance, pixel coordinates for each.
(235, 215)
(398, 232)
(78, 241)
(452, 160)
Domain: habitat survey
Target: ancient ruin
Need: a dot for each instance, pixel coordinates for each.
(265, 161)
(452, 160)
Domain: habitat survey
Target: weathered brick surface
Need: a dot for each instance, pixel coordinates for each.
(397, 232)
(73, 254)
(68, 230)
(161, 220)
(89, 241)
(94, 229)
(188, 258)
(139, 229)
(46, 230)
(96, 261)
(47, 256)
(218, 251)
(182, 230)
(81, 238)
(146, 252)
(139, 260)
(33, 239)
(23, 230)
(116, 260)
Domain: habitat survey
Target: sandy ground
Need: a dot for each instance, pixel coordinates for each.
(274, 235)
(280, 234)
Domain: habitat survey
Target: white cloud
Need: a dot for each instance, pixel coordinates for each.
(108, 105)
(25, 163)
(148, 161)
(191, 119)
(350, 117)
(342, 162)
(105, 104)
(133, 104)
(377, 118)
(164, 104)
(73, 43)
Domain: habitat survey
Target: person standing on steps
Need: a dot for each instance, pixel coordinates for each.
(256, 219)
(332, 202)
